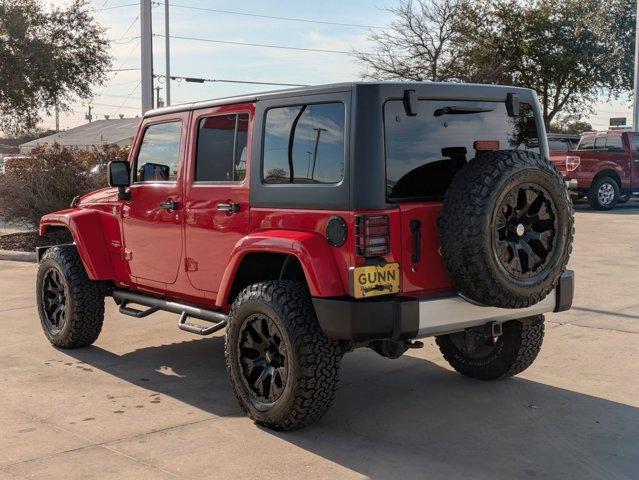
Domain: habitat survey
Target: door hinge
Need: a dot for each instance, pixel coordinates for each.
(190, 264)
(127, 254)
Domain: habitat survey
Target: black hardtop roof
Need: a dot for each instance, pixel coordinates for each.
(468, 90)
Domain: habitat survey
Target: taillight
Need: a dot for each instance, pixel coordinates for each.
(572, 163)
(372, 236)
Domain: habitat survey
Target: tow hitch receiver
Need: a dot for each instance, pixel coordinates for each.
(488, 330)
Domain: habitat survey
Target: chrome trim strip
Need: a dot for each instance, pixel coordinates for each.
(453, 314)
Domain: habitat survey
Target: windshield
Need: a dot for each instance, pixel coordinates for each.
(423, 152)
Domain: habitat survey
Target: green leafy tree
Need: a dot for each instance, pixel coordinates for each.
(571, 52)
(570, 125)
(48, 57)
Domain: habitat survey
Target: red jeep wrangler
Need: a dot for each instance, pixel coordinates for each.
(604, 167)
(312, 221)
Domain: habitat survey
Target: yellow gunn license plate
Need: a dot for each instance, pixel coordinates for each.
(373, 280)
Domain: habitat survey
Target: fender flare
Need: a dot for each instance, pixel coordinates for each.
(609, 167)
(310, 248)
(86, 231)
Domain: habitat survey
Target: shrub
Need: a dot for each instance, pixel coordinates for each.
(49, 178)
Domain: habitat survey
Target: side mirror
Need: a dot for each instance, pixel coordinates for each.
(120, 176)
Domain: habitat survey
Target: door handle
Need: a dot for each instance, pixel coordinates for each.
(228, 207)
(169, 205)
(415, 227)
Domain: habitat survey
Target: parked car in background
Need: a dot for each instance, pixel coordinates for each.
(560, 145)
(604, 167)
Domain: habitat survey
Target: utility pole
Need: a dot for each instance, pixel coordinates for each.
(57, 117)
(319, 131)
(167, 52)
(158, 101)
(635, 110)
(146, 41)
(88, 116)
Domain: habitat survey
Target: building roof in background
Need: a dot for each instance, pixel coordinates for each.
(100, 132)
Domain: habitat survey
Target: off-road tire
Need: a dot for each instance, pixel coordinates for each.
(514, 351)
(593, 193)
(468, 222)
(313, 360)
(84, 311)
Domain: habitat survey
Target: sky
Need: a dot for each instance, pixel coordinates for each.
(121, 94)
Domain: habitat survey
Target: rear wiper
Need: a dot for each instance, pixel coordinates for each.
(460, 110)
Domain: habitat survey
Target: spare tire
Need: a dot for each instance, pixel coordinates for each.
(506, 228)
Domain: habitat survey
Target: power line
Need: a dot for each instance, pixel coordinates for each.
(262, 45)
(119, 107)
(130, 94)
(103, 5)
(273, 17)
(129, 28)
(219, 80)
(118, 6)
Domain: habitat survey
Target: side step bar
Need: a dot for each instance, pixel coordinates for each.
(154, 304)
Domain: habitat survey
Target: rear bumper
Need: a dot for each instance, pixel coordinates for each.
(402, 319)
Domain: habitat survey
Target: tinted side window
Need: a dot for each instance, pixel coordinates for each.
(304, 144)
(221, 148)
(614, 144)
(159, 154)
(600, 143)
(559, 145)
(587, 144)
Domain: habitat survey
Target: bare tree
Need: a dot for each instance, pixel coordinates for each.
(418, 45)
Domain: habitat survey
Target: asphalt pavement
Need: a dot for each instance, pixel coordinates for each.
(150, 401)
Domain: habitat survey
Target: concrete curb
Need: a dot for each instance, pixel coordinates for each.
(15, 256)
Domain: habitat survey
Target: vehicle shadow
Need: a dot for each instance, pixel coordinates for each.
(410, 418)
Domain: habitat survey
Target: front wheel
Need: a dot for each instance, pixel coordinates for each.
(492, 358)
(283, 368)
(71, 306)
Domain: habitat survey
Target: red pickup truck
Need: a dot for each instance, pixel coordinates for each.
(604, 167)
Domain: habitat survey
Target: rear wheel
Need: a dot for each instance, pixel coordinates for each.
(284, 370)
(70, 305)
(603, 193)
(492, 358)
(506, 229)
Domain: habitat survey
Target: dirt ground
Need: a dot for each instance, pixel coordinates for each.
(150, 401)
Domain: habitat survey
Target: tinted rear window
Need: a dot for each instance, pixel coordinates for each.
(424, 152)
(304, 144)
(562, 144)
(613, 144)
(587, 144)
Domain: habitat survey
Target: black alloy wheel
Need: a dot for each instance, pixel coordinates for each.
(263, 358)
(54, 300)
(526, 226)
(483, 357)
